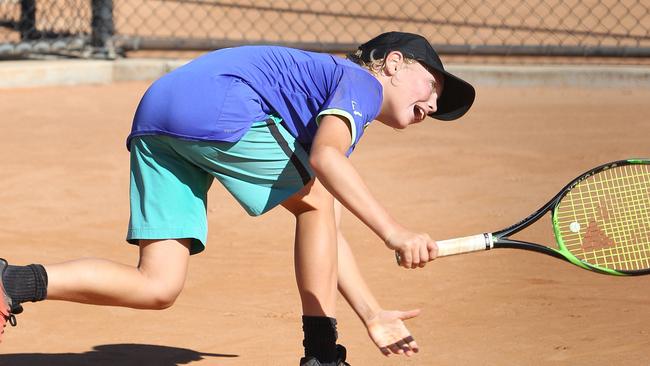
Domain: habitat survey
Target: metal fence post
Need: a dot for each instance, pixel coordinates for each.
(27, 24)
(103, 27)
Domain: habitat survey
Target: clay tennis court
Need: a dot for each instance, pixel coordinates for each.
(64, 195)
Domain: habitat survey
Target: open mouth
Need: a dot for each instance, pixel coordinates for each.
(419, 113)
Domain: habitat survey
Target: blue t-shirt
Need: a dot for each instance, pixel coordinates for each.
(219, 95)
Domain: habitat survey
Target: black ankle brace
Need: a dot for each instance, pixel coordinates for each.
(320, 338)
(25, 283)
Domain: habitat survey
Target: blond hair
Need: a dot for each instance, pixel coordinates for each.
(374, 65)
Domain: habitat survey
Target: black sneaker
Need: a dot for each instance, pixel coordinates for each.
(340, 358)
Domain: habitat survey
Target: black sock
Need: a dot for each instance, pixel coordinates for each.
(25, 283)
(320, 338)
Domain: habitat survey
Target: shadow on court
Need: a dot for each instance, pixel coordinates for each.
(113, 354)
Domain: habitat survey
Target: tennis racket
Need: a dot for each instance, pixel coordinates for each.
(601, 222)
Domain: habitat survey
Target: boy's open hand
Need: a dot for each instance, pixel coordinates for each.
(389, 333)
(413, 249)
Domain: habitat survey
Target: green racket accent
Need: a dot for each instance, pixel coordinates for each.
(602, 221)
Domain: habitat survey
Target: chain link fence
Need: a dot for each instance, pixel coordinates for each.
(113, 28)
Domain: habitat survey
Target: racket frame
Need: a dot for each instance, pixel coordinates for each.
(500, 239)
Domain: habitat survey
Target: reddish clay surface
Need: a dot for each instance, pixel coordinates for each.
(64, 194)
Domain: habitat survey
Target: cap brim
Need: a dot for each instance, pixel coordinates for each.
(456, 99)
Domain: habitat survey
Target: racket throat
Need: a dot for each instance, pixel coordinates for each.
(489, 241)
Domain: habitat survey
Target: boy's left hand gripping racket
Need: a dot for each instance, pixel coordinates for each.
(601, 222)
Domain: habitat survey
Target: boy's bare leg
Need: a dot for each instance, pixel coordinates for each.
(315, 249)
(153, 284)
(315, 263)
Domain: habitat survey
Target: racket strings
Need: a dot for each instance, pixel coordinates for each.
(605, 221)
(630, 252)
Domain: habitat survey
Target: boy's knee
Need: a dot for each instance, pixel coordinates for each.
(163, 268)
(162, 297)
(161, 293)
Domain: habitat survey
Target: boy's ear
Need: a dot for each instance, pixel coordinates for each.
(393, 63)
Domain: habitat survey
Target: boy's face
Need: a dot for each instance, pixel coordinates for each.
(410, 92)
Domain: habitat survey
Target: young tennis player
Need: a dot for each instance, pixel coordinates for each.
(275, 126)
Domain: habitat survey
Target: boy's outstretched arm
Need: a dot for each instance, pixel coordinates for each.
(385, 327)
(336, 173)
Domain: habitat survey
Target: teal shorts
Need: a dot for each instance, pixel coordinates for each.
(170, 178)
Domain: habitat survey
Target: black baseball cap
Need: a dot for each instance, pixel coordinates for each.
(457, 96)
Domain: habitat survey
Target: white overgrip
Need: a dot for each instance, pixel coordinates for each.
(467, 244)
